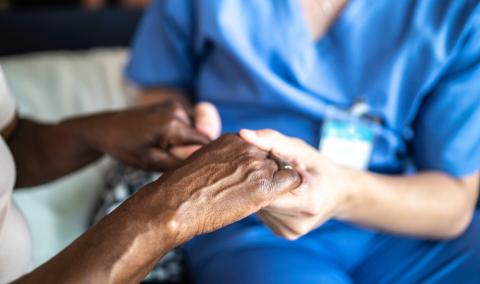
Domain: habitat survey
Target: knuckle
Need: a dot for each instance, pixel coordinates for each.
(150, 158)
(172, 124)
(229, 138)
(261, 182)
(177, 107)
(263, 187)
(301, 228)
(250, 149)
(172, 108)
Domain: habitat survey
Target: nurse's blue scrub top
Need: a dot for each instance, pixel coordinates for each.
(416, 63)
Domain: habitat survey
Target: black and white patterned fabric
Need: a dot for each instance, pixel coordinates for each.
(122, 182)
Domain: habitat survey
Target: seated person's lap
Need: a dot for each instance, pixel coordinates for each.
(247, 252)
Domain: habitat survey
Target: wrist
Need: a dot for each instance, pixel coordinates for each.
(87, 131)
(351, 184)
(162, 215)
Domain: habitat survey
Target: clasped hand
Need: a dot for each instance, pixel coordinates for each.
(323, 194)
(159, 137)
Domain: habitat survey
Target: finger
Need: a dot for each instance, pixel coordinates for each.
(277, 226)
(286, 180)
(278, 182)
(269, 222)
(186, 135)
(289, 148)
(181, 112)
(183, 152)
(287, 204)
(159, 160)
(207, 120)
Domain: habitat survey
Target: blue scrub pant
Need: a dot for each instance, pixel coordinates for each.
(248, 253)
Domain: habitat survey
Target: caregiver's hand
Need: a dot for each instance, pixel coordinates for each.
(322, 195)
(390, 203)
(143, 137)
(221, 183)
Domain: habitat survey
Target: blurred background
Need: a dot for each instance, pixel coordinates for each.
(62, 58)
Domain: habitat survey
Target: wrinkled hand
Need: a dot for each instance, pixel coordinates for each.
(143, 137)
(321, 196)
(221, 183)
(207, 121)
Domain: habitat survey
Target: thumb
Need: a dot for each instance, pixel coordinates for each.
(207, 120)
(285, 181)
(290, 149)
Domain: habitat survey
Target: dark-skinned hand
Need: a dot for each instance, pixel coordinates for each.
(221, 183)
(143, 137)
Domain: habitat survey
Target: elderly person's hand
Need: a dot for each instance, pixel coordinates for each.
(221, 183)
(205, 116)
(143, 137)
(321, 196)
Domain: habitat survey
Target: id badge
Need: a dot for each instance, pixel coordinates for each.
(348, 141)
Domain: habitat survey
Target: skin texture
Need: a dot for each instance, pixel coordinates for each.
(140, 137)
(221, 183)
(431, 205)
(207, 119)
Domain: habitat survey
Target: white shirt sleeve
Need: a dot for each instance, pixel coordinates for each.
(15, 241)
(7, 105)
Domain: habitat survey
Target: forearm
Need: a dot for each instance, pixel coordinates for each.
(122, 248)
(44, 152)
(429, 204)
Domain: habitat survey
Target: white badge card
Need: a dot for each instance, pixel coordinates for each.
(348, 143)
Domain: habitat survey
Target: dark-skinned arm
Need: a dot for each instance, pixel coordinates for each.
(223, 182)
(44, 152)
(139, 137)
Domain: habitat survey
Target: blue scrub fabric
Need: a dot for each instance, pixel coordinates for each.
(247, 252)
(417, 65)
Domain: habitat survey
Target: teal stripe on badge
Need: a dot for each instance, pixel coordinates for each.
(347, 131)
